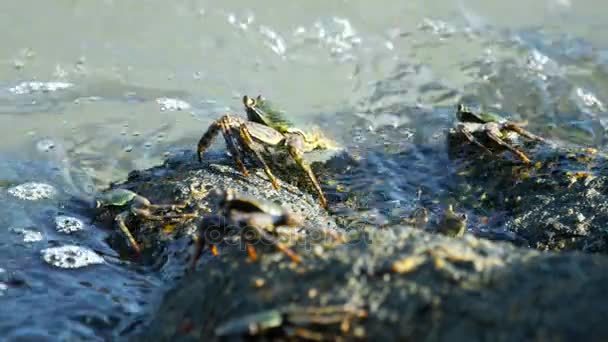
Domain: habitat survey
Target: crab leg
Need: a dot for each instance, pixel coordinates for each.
(120, 220)
(280, 246)
(207, 138)
(248, 142)
(200, 238)
(515, 151)
(294, 146)
(223, 123)
(261, 224)
(213, 249)
(253, 255)
(309, 335)
(200, 245)
(172, 207)
(472, 139)
(145, 213)
(227, 123)
(517, 129)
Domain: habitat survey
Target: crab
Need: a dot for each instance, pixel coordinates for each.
(489, 128)
(255, 219)
(138, 206)
(295, 322)
(452, 223)
(264, 129)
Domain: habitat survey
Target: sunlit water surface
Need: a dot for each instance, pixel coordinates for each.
(92, 90)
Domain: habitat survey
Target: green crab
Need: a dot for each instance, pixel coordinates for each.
(255, 219)
(295, 322)
(452, 223)
(489, 130)
(140, 207)
(265, 128)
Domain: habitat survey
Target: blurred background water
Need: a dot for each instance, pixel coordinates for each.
(90, 90)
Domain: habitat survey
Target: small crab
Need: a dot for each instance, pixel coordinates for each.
(452, 223)
(139, 206)
(418, 218)
(244, 214)
(295, 322)
(493, 130)
(264, 128)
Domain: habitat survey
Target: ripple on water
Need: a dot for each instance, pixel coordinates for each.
(70, 256)
(33, 191)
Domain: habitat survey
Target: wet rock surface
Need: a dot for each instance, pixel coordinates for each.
(412, 285)
(409, 283)
(182, 179)
(558, 203)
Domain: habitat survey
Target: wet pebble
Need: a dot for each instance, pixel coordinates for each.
(68, 224)
(70, 256)
(32, 191)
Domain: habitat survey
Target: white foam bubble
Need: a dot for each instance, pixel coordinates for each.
(68, 224)
(28, 234)
(33, 191)
(34, 87)
(71, 256)
(169, 104)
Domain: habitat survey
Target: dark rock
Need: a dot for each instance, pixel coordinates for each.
(181, 179)
(413, 286)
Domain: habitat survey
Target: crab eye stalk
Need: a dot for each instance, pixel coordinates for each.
(248, 101)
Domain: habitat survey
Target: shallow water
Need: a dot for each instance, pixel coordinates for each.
(92, 90)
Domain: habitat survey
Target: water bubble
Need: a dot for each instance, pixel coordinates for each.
(68, 224)
(33, 87)
(81, 60)
(336, 34)
(242, 24)
(169, 104)
(70, 256)
(437, 27)
(536, 60)
(60, 72)
(28, 234)
(45, 145)
(33, 191)
(589, 99)
(18, 64)
(274, 41)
